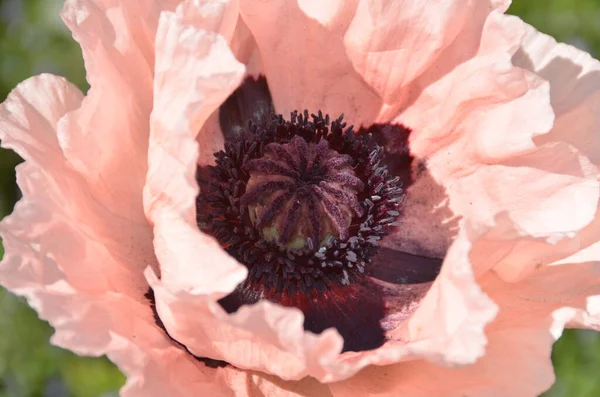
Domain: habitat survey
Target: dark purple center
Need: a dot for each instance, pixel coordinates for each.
(303, 204)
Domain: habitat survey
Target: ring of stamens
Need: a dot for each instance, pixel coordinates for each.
(304, 165)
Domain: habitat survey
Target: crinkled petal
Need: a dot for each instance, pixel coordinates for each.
(219, 16)
(30, 114)
(264, 337)
(574, 78)
(485, 109)
(516, 364)
(493, 162)
(392, 43)
(95, 303)
(304, 58)
(255, 384)
(464, 124)
(559, 176)
(195, 72)
(289, 352)
(55, 198)
(532, 314)
(555, 179)
(117, 40)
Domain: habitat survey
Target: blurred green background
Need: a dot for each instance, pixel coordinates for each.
(34, 40)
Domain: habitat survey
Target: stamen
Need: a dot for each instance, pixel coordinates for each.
(303, 204)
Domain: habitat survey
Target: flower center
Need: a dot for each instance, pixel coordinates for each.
(300, 194)
(302, 203)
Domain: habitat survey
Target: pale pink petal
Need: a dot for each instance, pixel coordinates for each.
(524, 236)
(55, 198)
(245, 49)
(339, 57)
(156, 367)
(516, 364)
(574, 77)
(487, 157)
(64, 269)
(291, 353)
(219, 16)
(392, 43)
(486, 32)
(195, 72)
(62, 264)
(30, 114)
(484, 110)
(555, 296)
(264, 337)
(554, 178)
(304, 58)
(117, 39)
(256, 384)
(185, 97)
(575, 93)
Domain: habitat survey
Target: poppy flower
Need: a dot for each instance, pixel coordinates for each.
(304, 199)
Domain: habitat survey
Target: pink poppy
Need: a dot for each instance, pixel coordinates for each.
(282, 270)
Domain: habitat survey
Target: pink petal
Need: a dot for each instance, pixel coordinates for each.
(256, 384)
(30, 114)
(219, 16)
(185, 96)
(575, 96)
(117, 41)
(364, 59)
(575, 80)
(485, 109)
(195, 72)
(304, 57)
(503, 112)
(291, 353)
(63, 267)
(390, 44)
(516, 364)
(482, 112)
(552, 178)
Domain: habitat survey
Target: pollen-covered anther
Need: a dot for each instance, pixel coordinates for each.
(300, 194)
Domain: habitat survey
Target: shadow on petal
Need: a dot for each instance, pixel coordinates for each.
(251, 101)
